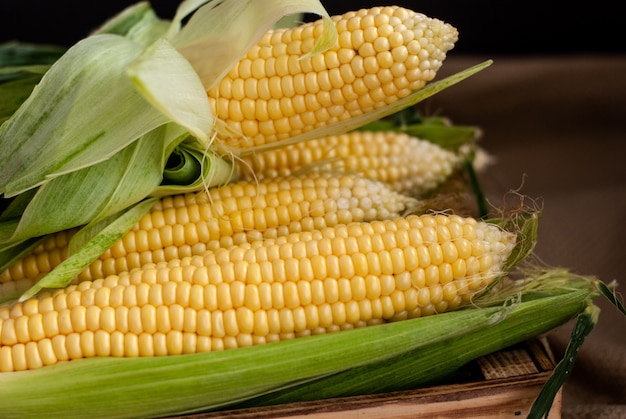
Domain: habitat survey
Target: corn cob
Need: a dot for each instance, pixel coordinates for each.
(407, 164)
(21, 275)
(185, 225)
(278, 91)
(297, 285)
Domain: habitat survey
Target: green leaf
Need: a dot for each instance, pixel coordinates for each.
(584, 325)
(525, 224)
(195, 168)
(14, 93)
(225, 30)
(21, 68)
(93, 193)
(183, 168)
(434, 129)
(19, 54)
(167, 80)
(608, 291)
(83, 112)
(16, 206)
(137, 22)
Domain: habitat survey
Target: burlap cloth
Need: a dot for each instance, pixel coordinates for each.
(556, 126)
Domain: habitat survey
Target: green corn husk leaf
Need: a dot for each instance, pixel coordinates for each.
(138, 23)
(97, 191)
(21, 68)
(151, 74)
(525, 224)
(192, 167)
(417, 350)
(585, 323)
(435, 129)
(15, 207)
(524, 318)
(610, 294)
(14, 93)
(69, 124)
(15, 55)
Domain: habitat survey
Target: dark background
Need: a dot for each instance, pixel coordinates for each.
(494, 27)
(552, 109)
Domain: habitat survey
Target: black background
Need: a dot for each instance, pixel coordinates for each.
(491, 27)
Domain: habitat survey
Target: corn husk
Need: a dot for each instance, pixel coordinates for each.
(376, 358)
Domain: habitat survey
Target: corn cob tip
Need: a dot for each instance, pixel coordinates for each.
(276, 91)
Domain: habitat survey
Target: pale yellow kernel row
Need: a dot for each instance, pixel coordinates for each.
(407, 164)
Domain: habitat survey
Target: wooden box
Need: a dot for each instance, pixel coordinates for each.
(503, 385)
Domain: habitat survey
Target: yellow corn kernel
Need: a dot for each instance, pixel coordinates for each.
(157, 309)
(185, 225)
(407, 164)
(278, 91)
(49, 253)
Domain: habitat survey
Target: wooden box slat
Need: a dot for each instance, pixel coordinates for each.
(508, 383)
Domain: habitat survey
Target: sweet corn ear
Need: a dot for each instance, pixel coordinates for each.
(305, 283)
(276, 91)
